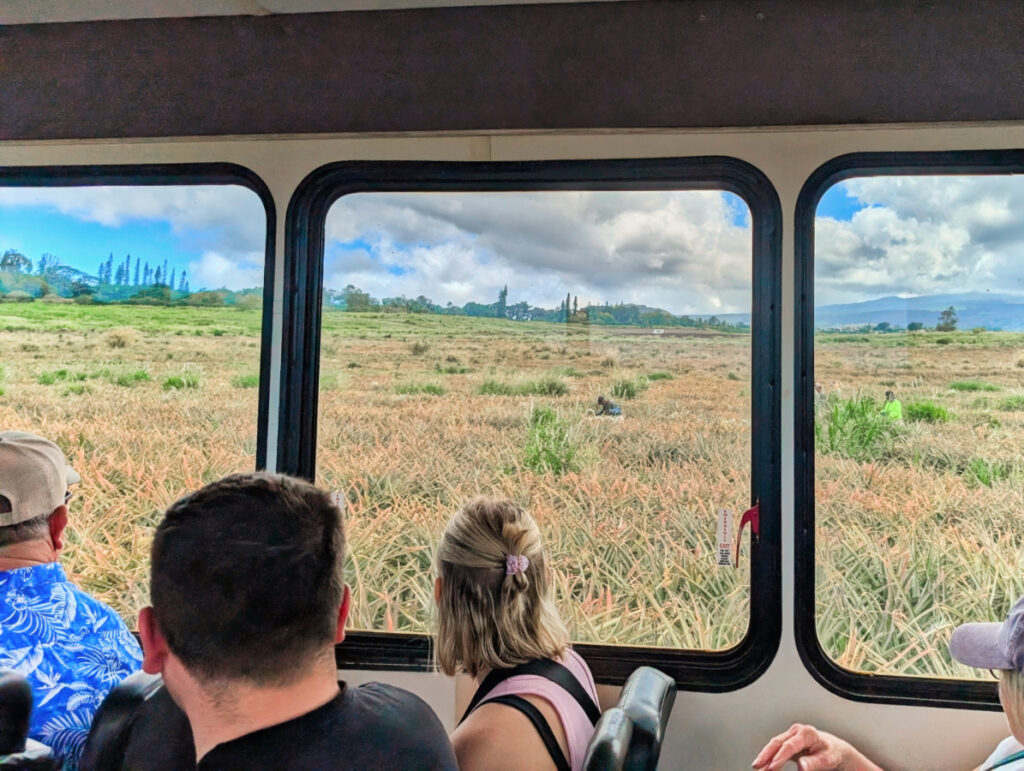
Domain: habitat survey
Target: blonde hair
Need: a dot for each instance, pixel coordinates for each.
(485, 618)
(1011, 695)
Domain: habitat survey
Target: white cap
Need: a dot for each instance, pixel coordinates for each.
(34, 476)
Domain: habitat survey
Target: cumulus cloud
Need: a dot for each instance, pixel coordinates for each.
(227, 218)
(689, 252)
(923, 235)
(214, 271)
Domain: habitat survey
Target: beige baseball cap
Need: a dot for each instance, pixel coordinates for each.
(34, 476)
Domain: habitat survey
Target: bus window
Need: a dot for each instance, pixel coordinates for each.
(916, 405)
(466, 339)
(130, 334)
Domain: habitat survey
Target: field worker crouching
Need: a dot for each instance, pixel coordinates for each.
(982, 645)
(72, 648)
(607, 407)
(892, 407)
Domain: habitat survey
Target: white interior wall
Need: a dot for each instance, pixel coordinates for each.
(720, 731)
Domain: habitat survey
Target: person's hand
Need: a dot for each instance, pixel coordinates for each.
(811, 750)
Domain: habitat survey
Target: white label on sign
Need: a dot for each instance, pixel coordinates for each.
(725, 538)
(338, 499)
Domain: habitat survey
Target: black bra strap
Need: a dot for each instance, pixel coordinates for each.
(534, 716)
(549, 670)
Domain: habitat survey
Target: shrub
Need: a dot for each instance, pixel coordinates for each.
(856, 428)
(77, 389)
(972, 385)
(652, 376)
(418, 348)
(732, 376)
(943, 340)
(628, 389)
(451, 369)
(119, 338)
(549, 446)
(353, 365)
(925, 412)
(986, 472)
(1012, 404)
(549, 386)
(128, 379)
(494, 388)
(412, 389)
(181, 381)
(546, 387)
(245, 381)
(47, 378)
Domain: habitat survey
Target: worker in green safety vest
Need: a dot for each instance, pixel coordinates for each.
(892, 407)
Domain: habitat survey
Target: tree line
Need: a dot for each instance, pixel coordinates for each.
(354, 299)
(131, 281)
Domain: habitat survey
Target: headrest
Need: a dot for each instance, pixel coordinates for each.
(609, 746)
(15, 711)
(138, 726)
(647, 699)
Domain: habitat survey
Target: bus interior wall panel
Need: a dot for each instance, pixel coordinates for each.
(656, 64)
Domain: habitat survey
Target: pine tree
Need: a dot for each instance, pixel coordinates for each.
(146, 274)
(156, 275)
(101, 271)
(109, 274)
(575, 305)
(182, 283)
(127, 269)
(119, 276)
(502, 302)
(136, 281)
(171, 282)
(188, 289)
(163, 273)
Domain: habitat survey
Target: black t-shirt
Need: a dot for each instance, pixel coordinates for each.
(374, 726)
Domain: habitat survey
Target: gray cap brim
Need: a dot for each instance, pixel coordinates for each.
(71, 476)
(979, 645)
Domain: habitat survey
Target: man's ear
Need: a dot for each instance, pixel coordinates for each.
(154, 646)
(437, 590)
(58, 521)
(346, 604)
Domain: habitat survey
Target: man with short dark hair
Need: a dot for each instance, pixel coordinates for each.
(72, 648)
(248, 602)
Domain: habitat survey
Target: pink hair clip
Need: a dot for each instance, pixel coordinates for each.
(515, 563)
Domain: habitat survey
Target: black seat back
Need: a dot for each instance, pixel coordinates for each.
(17, 751)
(610, 743)
(628, 737)
(138, 726)
(647, 698)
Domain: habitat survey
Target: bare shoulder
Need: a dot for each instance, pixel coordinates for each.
(497, 737)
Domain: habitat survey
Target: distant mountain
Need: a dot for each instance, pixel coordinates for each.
(975, 309)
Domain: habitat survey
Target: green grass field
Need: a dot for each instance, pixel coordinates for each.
(917, 520)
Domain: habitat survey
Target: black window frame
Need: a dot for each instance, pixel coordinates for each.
(303, 269)
(859, 686)
(179, 174)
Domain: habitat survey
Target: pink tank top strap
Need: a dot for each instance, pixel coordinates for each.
(576, 722)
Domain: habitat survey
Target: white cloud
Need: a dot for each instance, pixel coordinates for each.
(677, 250)
(227, 218)
(923, 235)
(215, 271)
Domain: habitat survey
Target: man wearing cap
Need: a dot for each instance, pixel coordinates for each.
(71, 647)
(992, 645)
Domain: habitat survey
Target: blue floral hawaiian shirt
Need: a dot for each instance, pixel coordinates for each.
(72, 648)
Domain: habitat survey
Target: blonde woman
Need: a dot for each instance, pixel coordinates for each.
(536, 704)
(983, 645)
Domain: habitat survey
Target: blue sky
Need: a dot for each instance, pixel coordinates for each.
(839, 204)
(215, 233)
(688, 252)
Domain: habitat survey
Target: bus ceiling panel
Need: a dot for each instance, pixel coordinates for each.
(656, 64)
(34, 12)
